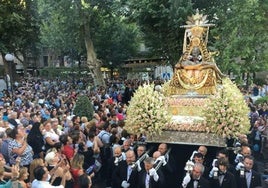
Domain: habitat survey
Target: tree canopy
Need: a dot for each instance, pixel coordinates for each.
(241, 35)
(111, 31)
(160, 23)
(19, 27)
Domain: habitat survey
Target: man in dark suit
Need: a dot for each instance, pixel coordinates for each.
(223, 153)
(195, 180)
(223, 178)
(170, 168)
(149, 177)
(124, 176)
(113, 163)
(251, 178)
(203, 150)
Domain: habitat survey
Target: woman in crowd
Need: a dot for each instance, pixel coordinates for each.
(67, 149)
(36, 141)
(51, 138)
(35, 163)
(77, 168)
(23, 176)
(18, 147)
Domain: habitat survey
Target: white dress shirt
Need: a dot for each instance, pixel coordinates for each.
(44, 184)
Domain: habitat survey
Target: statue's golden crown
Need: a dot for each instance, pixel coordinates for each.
(197, 31)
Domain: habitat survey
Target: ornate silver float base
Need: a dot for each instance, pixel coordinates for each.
(188, 138)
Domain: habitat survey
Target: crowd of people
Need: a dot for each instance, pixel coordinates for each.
(44, 144)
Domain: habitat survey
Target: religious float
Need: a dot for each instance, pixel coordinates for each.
(198, 106)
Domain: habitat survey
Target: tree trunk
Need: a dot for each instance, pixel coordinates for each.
(92, 61)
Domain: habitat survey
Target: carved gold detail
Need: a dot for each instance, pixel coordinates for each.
(196, 70)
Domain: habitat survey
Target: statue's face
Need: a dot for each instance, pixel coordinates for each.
(195, 52)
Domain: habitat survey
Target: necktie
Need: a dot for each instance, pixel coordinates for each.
(129, 170)
(147, 180)
(221, 177)
(248, 178)
(196, 183)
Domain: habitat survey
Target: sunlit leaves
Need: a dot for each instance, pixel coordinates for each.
(242, 27)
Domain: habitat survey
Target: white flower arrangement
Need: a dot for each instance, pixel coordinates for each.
(147, 112)
(227, 112)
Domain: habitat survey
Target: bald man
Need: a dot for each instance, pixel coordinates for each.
(170, 169)
(156, 155)
(203, 150)
(124, 176)
(246, 152)
(113, 163)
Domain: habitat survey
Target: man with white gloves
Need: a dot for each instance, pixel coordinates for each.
(251, 178)
(125, 184)
(222, 178)
(239, 166)
(195, 179)
(186, 180)
(214, 172)
(125, 176)
(149, 177)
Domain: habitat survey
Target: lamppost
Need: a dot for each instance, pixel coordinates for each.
(111, 69)
(9, 59)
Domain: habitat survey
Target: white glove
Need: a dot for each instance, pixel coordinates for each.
(213, 170)
(186, 180)
(239, 166)
(192, 156)
(160, 158)
(238, 158)
(125, 184)
(189, 165)
(214, 162)
(138, 165)
(152, 172)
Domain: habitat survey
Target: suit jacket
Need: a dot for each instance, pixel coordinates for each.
(152, 183)
(110, 171)
(170, 172)
(229, 181)
(254, 182)
(120, 175)
(202, 183)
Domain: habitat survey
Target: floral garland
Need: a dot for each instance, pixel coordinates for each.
(147, 112)
(187, 101)
(188, 126)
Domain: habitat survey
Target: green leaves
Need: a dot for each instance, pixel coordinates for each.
(19, 27)
(243, 40)
(159, 21)
(84, 107)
